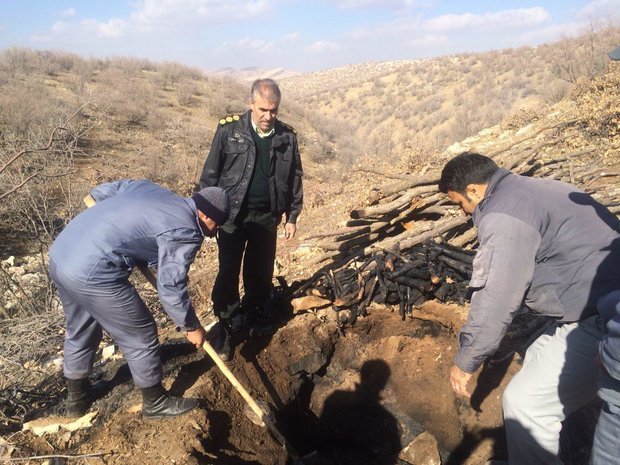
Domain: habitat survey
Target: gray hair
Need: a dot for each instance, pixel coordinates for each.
(266, 88)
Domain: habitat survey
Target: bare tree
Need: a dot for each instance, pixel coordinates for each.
(36, 199)
(585, 56)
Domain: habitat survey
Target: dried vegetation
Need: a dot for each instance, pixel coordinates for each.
(411, 110)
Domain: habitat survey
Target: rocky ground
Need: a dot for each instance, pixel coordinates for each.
(364, 395)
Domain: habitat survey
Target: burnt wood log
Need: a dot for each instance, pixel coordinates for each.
(450, 252)
(442, 291)
(462, 268)
(404, 269)
(369, 295)
(420, 284)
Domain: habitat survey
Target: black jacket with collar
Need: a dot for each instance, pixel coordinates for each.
(232, 159)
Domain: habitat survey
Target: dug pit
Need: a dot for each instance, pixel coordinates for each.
(373, 393)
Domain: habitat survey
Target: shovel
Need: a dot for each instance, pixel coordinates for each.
(263, 418)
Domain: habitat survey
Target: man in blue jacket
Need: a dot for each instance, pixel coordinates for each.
(549, 247)
(133, 223)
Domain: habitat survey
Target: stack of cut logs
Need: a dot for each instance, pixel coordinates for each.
(428, 271)
(388, 250)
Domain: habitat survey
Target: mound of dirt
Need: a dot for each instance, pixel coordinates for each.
(307, 372)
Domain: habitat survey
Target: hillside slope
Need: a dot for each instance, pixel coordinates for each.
(412, 109)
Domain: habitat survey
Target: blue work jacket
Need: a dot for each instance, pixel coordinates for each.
(134, 223)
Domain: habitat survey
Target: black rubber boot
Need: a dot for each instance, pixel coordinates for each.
(79, 398)
(156, 403)
(222, 342)
(82, 394)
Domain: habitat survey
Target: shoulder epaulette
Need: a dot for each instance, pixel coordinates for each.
(288, 126)
(229, 119)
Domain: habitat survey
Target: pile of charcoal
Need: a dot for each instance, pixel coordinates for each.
(407, 279)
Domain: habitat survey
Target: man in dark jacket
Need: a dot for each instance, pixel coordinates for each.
(255, 159)
(133, 223)
(549, 247)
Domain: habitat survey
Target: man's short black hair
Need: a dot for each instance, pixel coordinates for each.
(464, 169)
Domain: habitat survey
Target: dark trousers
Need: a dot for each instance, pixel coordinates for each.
(250, 240)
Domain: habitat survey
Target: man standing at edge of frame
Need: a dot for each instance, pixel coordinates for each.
(553, 249)
(606, 447)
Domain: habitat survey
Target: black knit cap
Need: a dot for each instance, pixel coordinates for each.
(614, 54)
(213, 202)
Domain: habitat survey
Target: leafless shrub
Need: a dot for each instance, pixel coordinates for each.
(36, 193)
(170, 74)
(585, 56)
(27, 110)
(26, 344)
(555, 91)
(185, 92)
(418, 152)
(130, 100)
(520, 118)
(82, 73)
(225, 96)
(16, 60)
(127, 66)
(158, 169)
(196, 141)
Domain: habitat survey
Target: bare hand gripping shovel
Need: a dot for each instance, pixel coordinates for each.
(262, 417)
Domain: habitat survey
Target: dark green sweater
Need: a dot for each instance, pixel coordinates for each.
(258, 190)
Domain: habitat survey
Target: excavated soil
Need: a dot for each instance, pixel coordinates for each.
(356, 396)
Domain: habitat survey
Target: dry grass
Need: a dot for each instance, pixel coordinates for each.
(397, 110)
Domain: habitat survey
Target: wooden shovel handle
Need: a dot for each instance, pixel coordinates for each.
(235, 382)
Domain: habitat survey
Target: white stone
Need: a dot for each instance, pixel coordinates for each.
(107, 352)
(423, 450)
